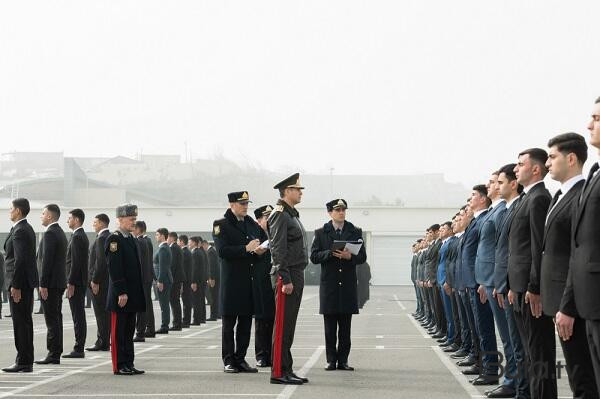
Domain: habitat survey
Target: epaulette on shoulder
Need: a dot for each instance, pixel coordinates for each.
(217, 226)
(278, 208)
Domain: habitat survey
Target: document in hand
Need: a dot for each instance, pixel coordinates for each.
(265, 245)
(352, 246)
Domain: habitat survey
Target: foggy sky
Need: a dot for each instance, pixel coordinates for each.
(367, 87)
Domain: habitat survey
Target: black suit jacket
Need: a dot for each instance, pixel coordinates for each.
(187, 264)
(98, 268)
(526, 236)
(53, 256)
(199, 266)
(146, 257)
(214, 265)
(78, 259)
(557, 250)
(20, 266)
(177, 264)
(501, 255)
(582, 290)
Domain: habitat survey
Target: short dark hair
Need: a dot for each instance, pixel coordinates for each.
(539, 156)
(79, 214)
(21, 204)
(196, 239)
(103, 217)
(482, 190)
(163, 232)
(173, 234)
(434, 227)
(509, 172)
(183, 238)
(141, 225)
(447, 224)
(54, 210)
(571, 142)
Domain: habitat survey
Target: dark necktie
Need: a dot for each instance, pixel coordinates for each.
(338, 232)
(588, 181)
(555, 199)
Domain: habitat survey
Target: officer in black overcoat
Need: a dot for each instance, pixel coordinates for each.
(125, 289)
(237, 239)
(338, 290)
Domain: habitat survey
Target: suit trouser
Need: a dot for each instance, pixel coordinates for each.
(175, 302)
(22, 322)
(122, 330)
(484, 326)
(77, 305)
(540, 348)
(448, 315)
(235, 338)
(102, 317)
(593, 338)
(186, 298)
(145, 320)
(521, 360)
(198, 304)
(164, 297)
(337, 328)
(418, 297)
(456, 320)
(440, 312)
(580, 368)
(54, 322)
(263, 334)
(214, 306)
(466, 301)
(286, 314)
(510, 370)
(465, 331)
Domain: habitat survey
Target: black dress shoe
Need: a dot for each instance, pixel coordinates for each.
(262, 363)
(244, 367)
(330, 367)
(124, 371)
(48, 360)
(39, 312)
(94, 348)
(230, 369)
(212, 319)
(501, 392)
(468, 362)
(473, 370)
(345, 367)
(162, 331)
(149, 334)
(451, 349)
(442, 340)
(74, 355)
(303, 379)
(175, 329)
(459, 355)
(137, 338)
(485, 380)
(18, 368)
(445, 344)
(136, 371)
(185, 325)
(438, 335)
(287, 380)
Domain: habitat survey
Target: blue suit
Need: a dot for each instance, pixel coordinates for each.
(441, 279)
(486, 248)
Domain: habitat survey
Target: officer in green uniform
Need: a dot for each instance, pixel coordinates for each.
(289, 251)
(125, 290)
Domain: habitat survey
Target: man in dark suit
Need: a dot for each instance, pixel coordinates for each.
(2, 297)
(77, 277)
(125, 290)
(583, 279)
(566, 156)
(337, 291)
(198, 279)
(461, 343)
(52, 256)
(145, 320)
(236, 238)
(438, 329)
(446, 237)
(214, 279)
(186, 293)
(524, 262)
(178, 278)
(98, 281)
(21, 278)
(164, 278)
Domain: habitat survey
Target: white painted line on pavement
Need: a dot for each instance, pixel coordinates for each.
(458, 376)
(379, 347)
(419, 328)
(399, 303)
(289, 390)
(211, 347)
(64, 375)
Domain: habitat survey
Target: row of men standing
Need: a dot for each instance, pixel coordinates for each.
(521, 261)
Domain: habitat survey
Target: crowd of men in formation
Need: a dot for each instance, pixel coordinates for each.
(522, 263)
(253, 270)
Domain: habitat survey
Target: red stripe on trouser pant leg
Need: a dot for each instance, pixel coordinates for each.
(278, 339)
(113, 340)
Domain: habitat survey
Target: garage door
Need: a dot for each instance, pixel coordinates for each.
(390, 260)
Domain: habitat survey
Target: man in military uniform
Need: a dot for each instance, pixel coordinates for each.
(236, 238)
(338, 290)
(125, 291)
(264, 298)
(289, 250)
